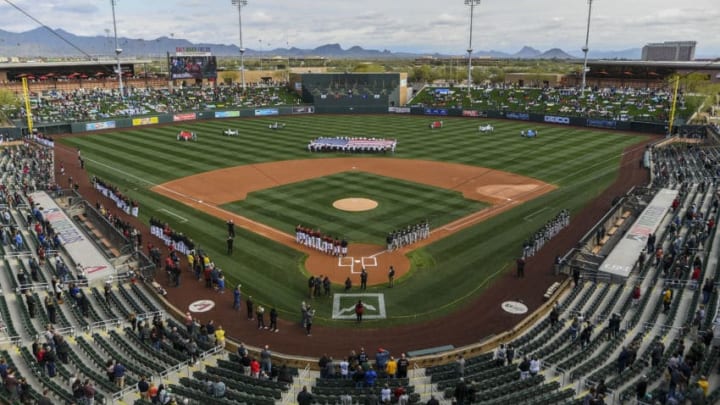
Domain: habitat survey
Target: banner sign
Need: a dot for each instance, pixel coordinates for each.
(306, 109)
(474, 113)
(601, 123)
(436, 111)
(184, 117)
(263, 112)
(193, 51)
(557, 120)
(227, 114)
(517, 116)
(399, 110)
(94, 126)
(144, 121)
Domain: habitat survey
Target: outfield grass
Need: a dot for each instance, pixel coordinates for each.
(400, 203)
(445, 274)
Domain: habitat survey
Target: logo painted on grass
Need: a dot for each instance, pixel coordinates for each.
(344, 306)
(514, 307)
(201, 306)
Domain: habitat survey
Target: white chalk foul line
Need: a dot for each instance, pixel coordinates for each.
(532, 214)
(182, 219)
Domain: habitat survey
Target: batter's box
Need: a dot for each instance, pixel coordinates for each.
(351, 262)
(369, 261)
(344, 306)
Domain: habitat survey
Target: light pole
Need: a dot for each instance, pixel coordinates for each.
(240, 4)
(472, 4)
(118, 51)
(585, 48)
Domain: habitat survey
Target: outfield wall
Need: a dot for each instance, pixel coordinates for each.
(531, 118)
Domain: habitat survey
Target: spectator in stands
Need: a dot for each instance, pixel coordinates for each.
(143, 388)
(391, 367)
(89, 389)
(304, 397)
(370, 377)
(432, 401)
(119, 374)
(385, 394)
(535, 366)
(381, 358)
(266, 359)
(45, 399)
(403, 366)
(461, 392)
(499, 355)
(218, 390)
(254, 368)
(460, 365)
(359, 377)
(220, 336)
(641, 388)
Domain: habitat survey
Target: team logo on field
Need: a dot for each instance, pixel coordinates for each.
(514, 307)
(344, 306)
(201, 306)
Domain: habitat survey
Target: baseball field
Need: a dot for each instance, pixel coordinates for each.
(483, 195)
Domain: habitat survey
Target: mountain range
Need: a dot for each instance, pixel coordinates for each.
(40, 42)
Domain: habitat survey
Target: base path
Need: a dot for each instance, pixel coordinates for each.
(209, 190)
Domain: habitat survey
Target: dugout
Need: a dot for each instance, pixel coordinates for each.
(351, 92)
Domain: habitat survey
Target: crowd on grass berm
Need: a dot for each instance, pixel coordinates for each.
(90, 104)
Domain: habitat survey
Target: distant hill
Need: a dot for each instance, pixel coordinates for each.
(527, 52)
(555, 53)
(40, 42)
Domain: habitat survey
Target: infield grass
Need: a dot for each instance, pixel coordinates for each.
(400, 203)
(444, 275)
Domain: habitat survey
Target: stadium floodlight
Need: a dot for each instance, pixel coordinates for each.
(585, 48)
(240, 4)
(472, 4)
(118, 51)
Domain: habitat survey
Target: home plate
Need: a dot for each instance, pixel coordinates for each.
(357, 261)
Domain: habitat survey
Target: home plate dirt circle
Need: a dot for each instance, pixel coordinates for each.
(355, 204)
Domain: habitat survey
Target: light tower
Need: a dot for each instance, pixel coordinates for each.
(118, 51)
(585, 48)
(472, 4)
(240, 4)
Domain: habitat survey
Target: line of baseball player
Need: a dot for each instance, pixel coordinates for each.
(547, 232)
(315, 239)
(408, 235)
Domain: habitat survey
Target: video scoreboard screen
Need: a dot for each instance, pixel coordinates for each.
(192, 67)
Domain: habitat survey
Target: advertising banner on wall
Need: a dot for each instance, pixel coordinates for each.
(264, 112)
(474, 113)
(399, 110)
(601, 123)
(144, 121)
(436, 111)
(227, 114)
(517, 116)
(305, 109)
(553, 119)
(184, 117)
(94, 126)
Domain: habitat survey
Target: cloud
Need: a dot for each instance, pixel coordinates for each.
(422, 26)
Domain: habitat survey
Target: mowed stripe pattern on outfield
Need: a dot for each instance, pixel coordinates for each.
(580, 162)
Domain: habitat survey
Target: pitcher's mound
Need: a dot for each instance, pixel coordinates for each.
(355, 204)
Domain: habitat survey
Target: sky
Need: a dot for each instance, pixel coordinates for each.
(420, 26)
